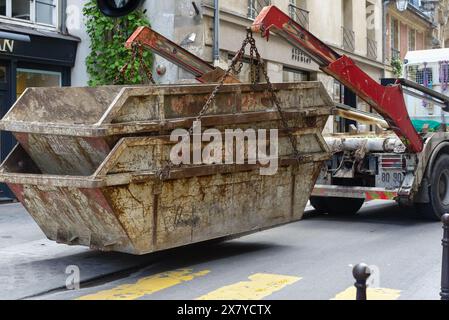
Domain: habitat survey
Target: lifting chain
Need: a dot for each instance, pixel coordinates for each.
(257, 65)
(136, 55)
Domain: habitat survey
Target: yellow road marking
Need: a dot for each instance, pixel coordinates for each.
(258, 287)
(371, 293)
(146, 286)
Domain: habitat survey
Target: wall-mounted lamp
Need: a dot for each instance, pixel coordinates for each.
(117, 8)
(402, 5)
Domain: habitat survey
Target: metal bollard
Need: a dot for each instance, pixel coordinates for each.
(361, 274)
(445, 265)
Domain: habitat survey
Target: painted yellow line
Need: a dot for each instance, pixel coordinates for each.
(146, 286)
(258, 287)
(371, 293)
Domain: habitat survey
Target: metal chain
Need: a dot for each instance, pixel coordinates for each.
(236, 67)
(137, 54)
(274, 97)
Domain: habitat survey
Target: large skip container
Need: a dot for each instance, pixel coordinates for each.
(87, 161)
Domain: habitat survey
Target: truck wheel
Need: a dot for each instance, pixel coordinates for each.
(438, 191)
(319, 203)
(337, 206)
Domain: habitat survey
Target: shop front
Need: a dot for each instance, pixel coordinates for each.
(30, 58)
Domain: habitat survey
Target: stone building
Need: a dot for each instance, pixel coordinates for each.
(409, 30)
(424, 25)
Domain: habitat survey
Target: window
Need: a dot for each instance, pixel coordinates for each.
(338, 92)
(297, 11)
(420, 74)
(394, 39)
(27, 78)
(300, 56)
(45, 11)
(394, 34)
(412, 40)
(416, 3)
(35, 11)
(21, 9)
(295, 75)
(255, 6)
(2, 7)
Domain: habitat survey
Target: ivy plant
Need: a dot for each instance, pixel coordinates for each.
(108, 53)
(397, 66)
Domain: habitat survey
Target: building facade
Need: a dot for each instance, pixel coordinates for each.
(35, 51)
(409, 30)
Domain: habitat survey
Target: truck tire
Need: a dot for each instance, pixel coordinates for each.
(319, 203)
(438, 191)
(337, 206)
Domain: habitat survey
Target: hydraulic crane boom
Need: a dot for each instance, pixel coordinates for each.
(387, 101)
(157, 43)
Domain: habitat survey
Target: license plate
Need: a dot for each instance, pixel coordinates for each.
(390, 179)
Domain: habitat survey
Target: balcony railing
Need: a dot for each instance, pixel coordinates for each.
(395, 54)
(371, 49)
(255, 6)
(348, 39)
(299, 15)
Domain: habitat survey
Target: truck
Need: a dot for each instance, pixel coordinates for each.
(405, 160)
(90, 162)
(410, 163)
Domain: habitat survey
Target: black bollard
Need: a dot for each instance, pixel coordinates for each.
(445, 265)
(361, 274)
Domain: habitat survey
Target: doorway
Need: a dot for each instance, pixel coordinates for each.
(7, 140)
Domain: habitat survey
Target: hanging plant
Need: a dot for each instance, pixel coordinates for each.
(444, 75)
(397, 66)
(108, 53)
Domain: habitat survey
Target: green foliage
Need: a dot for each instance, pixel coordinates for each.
(108, 53)
(397, 66)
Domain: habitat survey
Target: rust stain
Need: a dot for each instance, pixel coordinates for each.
(98, 197)
(155, 218)
(18, 191)
(98, 144)
(23, 139)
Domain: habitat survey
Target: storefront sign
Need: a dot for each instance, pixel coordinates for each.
(6, 45)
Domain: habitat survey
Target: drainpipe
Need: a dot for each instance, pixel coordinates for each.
(63, 15)
(384, 35)
(216, 48)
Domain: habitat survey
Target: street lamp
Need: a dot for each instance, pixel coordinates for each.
(402, 5)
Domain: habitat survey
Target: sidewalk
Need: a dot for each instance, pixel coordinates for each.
(31, 265)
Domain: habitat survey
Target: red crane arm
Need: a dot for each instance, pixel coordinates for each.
(155, 42)
(388, 101)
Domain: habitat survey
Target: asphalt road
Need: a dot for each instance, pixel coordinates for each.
(311, 259)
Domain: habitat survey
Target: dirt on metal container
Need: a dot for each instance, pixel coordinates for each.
(72, 130)
(86, 166)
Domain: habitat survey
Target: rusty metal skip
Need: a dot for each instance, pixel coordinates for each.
(87, 160)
